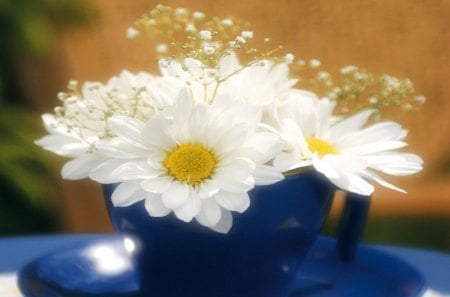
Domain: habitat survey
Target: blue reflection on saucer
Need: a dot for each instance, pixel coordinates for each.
(103, 267)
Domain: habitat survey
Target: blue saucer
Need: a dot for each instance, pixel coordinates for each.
(101, 267)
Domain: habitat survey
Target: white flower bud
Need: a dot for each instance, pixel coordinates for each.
(164, 63)
(205, 35)
(289, 58)
(227, 22)
(161, 48)
(420, 99)
(314, 63)
(240, 40)
(132, 32)
(348, 69)
(190, 28)
(180, 11)
(198, 15)
(247, 35)
(373, 100)
(209, 50)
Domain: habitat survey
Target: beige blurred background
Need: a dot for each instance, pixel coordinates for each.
(405, 38)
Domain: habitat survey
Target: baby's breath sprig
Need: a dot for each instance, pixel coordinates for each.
(86, 114)
(189, 34)
(192, 35)
(355, 88)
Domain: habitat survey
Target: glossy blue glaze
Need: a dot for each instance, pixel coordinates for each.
(73, 271)
(353, 218)
(258, 257)
(99, 267)
(164, 257)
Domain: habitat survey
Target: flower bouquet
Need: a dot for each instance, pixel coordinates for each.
(200, 160)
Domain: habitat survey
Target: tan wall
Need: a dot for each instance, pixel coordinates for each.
(406, 38)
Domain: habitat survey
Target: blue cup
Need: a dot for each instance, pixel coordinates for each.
(258, 257)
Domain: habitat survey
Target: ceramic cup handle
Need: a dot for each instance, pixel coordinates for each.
(352, 223)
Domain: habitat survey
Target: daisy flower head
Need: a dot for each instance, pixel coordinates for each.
(260, 85)
(347, 153)
(80, 122)
(198, 163)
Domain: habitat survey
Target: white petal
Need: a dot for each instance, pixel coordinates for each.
(345, 172)
(382, 182)
(237, 153)
(53, 126)
(266, 175)
(288, 161)
(172, 68)
(238, 165)
(349, 125)
(182, 109)
(268, 145)
(51, 123)
(195, 67)
(63, 145)
(115, 170)
(375, 147)
(325, 168)
(126, 127)
(136, 169)
(207, 189)
(176, 195)
(344, 162)
(196, 124)
(228, 64)
(353, 183)
(80, 167)
(155, 134)
(235, 177)
(395, 164)
(225, 222)
(301, 111)
(155, 159)
(210, 213)
(102, 172)
(155, 207)
(157, 185)
(386, 131)
(189, 209)
(231, 201)
(324, 114)
(119, 149)
(232, 138)
(378, 133)
(205, 131)
(127, 193)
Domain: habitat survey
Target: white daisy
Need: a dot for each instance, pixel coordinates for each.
(81, 121)
(345, 152)
(259, 85)
(199, 164)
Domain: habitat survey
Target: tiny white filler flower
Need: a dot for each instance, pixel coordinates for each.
(256, 85)
(80, 122)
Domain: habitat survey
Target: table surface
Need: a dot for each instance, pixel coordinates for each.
(18, 251)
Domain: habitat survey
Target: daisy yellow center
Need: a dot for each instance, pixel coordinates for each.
(190, 163)
(321, 147)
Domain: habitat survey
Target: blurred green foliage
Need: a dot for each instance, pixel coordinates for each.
(25, 175)
(413, 231)
(28, 30)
